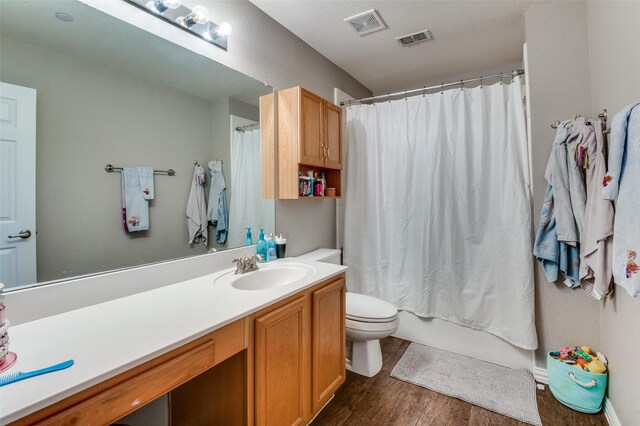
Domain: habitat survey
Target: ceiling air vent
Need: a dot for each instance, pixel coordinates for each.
(409, 39)
(366, 23)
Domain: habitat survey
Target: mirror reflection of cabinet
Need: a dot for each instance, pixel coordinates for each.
(268, 146)
(309, 139)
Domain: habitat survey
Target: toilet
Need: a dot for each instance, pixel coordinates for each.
(369, 319)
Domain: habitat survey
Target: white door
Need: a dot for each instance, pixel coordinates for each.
(17, 185)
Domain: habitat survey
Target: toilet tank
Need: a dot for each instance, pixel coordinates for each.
(323, 255)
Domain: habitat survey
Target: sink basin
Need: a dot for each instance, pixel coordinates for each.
(269, 276)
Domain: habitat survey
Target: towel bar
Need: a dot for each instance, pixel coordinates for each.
(110, 169)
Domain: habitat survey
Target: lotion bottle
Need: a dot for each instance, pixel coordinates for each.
(261, 247)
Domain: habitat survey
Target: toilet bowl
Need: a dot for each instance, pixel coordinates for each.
(368, 319)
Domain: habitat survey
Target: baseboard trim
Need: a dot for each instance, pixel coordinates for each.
(541, 375)
(610, 413)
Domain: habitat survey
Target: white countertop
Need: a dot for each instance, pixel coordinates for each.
(112, 337)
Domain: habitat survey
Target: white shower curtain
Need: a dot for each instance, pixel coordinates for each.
(438, 208)
(247, 208)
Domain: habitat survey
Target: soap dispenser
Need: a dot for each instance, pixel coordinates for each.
(271, 247)
(261, 247)
(249, 239)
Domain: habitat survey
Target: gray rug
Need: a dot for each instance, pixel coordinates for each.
(500, 389)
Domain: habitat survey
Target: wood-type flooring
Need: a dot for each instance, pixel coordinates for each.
(383, 400)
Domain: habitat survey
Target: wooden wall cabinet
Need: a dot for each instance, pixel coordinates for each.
(300, 354)
(309, 138)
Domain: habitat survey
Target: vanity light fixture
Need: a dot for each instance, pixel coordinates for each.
(195, 21)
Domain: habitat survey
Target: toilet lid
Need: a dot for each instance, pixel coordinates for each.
(367, 308)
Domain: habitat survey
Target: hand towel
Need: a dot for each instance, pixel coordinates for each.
(217, 186)
(146, 182)
(135, 208)
(196, 208)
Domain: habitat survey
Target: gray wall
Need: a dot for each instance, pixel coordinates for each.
(89, 116)
(614, 32)
(583, 58)
(559, 85)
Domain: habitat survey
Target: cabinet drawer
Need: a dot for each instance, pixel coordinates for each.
(116, 397)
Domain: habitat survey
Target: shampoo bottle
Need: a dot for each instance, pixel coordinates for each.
(261, 247)
(271, 248)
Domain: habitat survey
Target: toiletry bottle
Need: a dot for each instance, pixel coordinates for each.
(261, 247)
(311, 181)
(249, 239)
(281, 246)
(271, 248)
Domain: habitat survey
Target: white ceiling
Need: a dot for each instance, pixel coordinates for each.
(469, 36)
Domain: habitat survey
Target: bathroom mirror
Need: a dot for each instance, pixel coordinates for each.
(106, 92)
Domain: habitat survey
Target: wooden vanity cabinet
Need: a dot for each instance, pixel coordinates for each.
(328, 344)
(299, 354)
(309, 138)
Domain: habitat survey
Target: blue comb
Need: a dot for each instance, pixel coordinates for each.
(5, 379)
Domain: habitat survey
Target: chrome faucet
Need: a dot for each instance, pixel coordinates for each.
(247, 264)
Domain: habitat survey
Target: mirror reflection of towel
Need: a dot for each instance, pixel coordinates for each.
(135, 208)
(218, 185)
(197, 208)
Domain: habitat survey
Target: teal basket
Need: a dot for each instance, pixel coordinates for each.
(581, 390)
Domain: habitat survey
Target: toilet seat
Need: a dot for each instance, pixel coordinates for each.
(363, 308)
(379, 326)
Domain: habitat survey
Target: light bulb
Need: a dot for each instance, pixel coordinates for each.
(224, 29)
(199, 15)
(171, 4)
(162, 5)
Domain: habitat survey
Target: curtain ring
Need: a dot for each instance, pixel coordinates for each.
(481, 82)
(389, 97)
(501, 77)
(513, 76)
(461, 86)
(442, 88)
(424, 91)
(405, 95)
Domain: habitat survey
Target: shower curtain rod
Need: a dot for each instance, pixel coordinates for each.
(248, 127)
(513, 73)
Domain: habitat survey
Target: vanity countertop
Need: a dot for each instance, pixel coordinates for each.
(112, 337)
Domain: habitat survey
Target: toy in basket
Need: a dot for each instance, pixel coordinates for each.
(578, 378)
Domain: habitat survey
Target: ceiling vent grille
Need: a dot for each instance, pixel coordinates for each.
(410, 39)
(366, 23)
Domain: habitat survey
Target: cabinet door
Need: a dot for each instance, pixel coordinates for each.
(333, 135)
(311, 129)
(328, 365)
(282, 365)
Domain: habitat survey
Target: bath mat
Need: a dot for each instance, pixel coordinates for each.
(504, 390)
